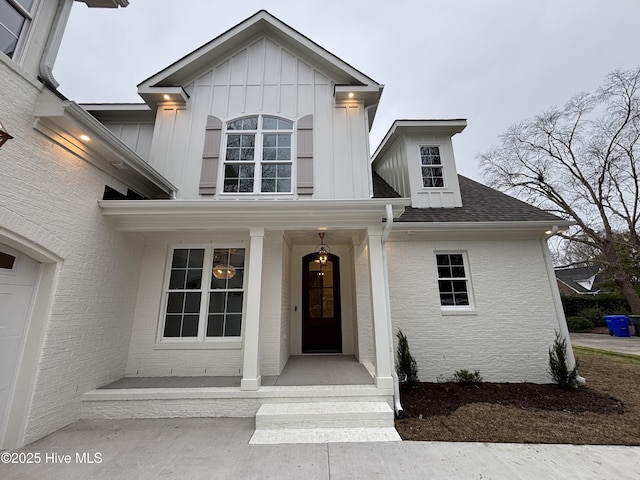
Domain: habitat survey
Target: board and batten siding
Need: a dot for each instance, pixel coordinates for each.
(400, 167)
(135, 135)
(265, 78)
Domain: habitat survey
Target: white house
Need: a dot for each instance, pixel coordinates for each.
(249, 159)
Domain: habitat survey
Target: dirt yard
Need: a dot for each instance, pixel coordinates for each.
(606, 411)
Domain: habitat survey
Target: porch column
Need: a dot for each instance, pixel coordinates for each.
(251, 367)
(379, 309)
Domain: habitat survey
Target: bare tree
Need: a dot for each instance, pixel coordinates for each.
(581, 163)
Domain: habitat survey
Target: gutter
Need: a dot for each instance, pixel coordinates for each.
(397, 406)
(53, 43)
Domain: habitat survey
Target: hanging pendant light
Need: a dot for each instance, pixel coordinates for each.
(223, 270)
(322, 255)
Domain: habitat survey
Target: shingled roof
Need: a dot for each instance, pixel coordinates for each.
(480, 204)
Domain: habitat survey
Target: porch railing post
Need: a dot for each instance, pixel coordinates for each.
(251, 367)
(379, 309)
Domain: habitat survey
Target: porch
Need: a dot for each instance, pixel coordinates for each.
(315, 398)
(300, 370)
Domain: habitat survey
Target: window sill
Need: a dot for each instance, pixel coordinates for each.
(215, 345)
(455, 312)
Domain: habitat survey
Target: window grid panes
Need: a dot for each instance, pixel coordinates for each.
(260, 158)
(452, 280)
(12, 20)
(184, 296)
(431, 165)
(224, 315)
(203, 305)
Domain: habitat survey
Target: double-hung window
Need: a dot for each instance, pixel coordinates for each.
(453, 280)
(204, 294)
(258, 155)
(431, 166)
(14, 17)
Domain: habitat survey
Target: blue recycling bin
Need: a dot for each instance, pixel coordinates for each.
(618, 325)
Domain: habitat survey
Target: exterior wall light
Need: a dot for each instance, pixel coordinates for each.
(4, 135)
(322, 255)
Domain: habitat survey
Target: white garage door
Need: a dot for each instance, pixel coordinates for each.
(17, 277)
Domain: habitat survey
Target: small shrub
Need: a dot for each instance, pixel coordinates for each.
(406, 366)
(466, 377)
(579, 324)
(558, 368)
(594, 314)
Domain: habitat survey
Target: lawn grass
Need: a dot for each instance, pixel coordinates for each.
(624, 357)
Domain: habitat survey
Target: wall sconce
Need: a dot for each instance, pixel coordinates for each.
(4, 135)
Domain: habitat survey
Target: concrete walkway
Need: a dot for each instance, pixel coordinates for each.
(607, 342)
(218, 448)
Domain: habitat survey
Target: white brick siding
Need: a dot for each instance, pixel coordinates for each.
(49, 197)
(508, 336)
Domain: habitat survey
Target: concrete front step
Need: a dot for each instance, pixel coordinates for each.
(321, 422)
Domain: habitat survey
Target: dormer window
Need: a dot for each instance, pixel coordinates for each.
(14, 15)
(258, 156)
(431, 163)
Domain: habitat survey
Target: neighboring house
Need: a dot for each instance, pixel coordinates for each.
(579, 280)
(249, 159)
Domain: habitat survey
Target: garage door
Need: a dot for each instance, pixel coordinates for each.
(17, 278)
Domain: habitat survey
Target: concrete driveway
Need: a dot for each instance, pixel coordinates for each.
(607, 342)
(218, 448)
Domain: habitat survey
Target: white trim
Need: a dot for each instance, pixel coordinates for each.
(21, 393)
(258, 160)
(457, 309)
(444, 186)
(201, 341)
(206, 215)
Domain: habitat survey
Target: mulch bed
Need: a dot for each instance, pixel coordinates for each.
(433, 399)
(605, 412)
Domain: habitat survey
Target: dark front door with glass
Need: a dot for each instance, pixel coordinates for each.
(321, 322)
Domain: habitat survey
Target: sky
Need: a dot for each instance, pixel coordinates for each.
(492, 62)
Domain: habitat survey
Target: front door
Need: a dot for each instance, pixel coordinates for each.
(321, 323)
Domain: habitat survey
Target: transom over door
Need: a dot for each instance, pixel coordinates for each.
(321, 320)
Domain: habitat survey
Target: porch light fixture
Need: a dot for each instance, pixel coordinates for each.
(4, 135)
(323, 254)
(223, 271)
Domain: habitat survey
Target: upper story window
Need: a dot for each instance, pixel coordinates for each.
(431, 163)
(258, 155)
(14, 16)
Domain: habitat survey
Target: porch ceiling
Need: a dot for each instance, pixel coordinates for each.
(207, 215)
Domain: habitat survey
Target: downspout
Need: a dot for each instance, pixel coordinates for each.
(397, 407)
(557, 302)
(53, 43)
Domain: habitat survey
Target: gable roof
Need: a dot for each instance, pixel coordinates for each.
(579, 278)
(479, 204)
(260, 24)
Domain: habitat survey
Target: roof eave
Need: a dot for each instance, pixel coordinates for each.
(209, 215)
(544, 226)
(64, 122)
(406, 127)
